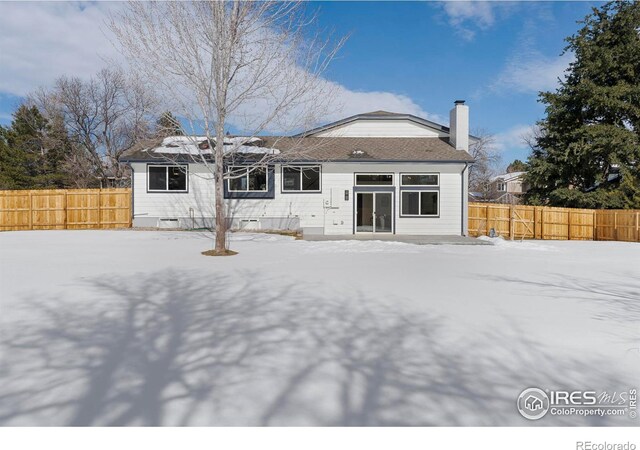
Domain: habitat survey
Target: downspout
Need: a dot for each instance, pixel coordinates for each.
(465, 203)
(132, 196)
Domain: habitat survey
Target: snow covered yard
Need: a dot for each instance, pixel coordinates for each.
(137, 327)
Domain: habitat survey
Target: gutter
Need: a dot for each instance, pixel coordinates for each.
(322, 161)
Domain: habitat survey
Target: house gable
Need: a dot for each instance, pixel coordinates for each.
(381, 124)
(382, 128)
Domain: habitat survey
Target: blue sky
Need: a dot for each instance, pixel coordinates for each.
(415, 57)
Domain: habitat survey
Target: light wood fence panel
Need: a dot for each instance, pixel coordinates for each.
(483, 217)
(523, 220)
(58, 209)
(543, 222)
(581, 224)
(618, 225)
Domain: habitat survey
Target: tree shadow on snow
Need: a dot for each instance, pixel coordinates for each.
(193, 348)
(618, 295)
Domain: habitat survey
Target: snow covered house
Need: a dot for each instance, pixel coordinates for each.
(371, 173)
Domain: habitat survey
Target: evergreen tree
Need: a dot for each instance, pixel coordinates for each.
(592, 128)
(58, 150)
(517, 166)
(168, 125)
(19, 161)
(14, 165)
(32, 152)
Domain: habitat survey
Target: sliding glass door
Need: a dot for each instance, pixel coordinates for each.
(374, 212)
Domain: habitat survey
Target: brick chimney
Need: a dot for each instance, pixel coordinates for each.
(459, 126)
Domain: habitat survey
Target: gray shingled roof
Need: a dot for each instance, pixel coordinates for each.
(370, 148)
(334, 149)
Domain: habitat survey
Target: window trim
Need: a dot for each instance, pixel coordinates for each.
(185, 167)
(425, 186)
(300, 191)
(235, 191)
(420, 191)
(355, 179)
(501, 184)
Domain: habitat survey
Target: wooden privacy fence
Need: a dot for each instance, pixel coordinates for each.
(618, 225)
(62, 209)
(543, 222)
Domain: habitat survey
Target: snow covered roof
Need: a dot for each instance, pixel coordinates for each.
(508, 176)
(198, 145)
(308, 148)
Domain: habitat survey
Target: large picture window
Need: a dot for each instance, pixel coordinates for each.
(248, 179)
(167, 178)
(301, 179)
(419, 203)
(419, 179)
(374, 179)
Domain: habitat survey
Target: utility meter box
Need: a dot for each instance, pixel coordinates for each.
(337, 197)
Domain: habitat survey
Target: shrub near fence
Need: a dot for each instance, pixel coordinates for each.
(543, 222)
(60, 209)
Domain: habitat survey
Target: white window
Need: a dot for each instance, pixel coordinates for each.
(374, 179)
(419, 203)
(419, 179)
(301, 179)
(502, 186)
(248, 179)
(165, 178)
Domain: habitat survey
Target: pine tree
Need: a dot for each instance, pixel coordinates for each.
(19, 161)
(592, 128)
(168, 125)
(32, 152)
(58, 150)
(517, 166)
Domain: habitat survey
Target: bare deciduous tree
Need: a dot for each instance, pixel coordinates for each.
(254, 65)
(532, 137)
(487, 161)
(104, 116)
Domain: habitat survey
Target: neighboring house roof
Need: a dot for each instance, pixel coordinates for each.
(382, 115)
(326, 149)
(611, 178)
(508, 176)
(507, 199)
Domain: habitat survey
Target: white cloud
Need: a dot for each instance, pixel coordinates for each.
(513, 138)
(469, 17)
(481, 13)
(71, 39)
(530, 71)
(40, 41)
(355, 102)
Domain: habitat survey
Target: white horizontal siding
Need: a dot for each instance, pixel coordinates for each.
(201, 198)
(449, 220)
(382, 128)
(169, 205)
(341, 176)
(313, 209)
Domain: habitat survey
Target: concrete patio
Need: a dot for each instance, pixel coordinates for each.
(409, 239)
